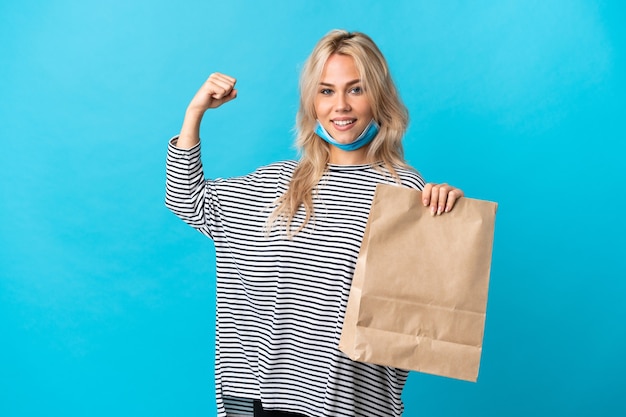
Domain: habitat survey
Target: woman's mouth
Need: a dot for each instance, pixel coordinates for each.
(342, 123)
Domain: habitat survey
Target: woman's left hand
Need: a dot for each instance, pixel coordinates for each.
(440, 197)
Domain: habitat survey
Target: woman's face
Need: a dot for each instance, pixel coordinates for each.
(340, 103)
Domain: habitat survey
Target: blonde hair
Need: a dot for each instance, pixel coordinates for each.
(387, 109)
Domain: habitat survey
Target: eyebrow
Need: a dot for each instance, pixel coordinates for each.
(358, 80)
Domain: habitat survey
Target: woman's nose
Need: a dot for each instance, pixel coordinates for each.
(342, 104)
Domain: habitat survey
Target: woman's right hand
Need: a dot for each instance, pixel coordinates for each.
(216, 90)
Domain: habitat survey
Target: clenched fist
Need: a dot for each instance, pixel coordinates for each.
(216, 90)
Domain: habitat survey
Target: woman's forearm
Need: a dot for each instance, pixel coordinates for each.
(190, 131)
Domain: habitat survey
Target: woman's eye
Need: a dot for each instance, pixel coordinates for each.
(356, 90)
(326, 91)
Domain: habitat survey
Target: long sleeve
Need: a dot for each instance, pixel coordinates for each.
(186, 192)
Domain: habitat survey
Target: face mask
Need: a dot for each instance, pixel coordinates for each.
(364, 138)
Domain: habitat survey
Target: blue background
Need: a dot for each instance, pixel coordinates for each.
(107, 299)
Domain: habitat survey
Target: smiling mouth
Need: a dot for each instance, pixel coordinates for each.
(343, 122)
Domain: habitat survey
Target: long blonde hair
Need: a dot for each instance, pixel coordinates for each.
(387, 109)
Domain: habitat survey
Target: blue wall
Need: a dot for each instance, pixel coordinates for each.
(106, 299)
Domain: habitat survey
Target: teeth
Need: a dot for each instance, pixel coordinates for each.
(343, 122)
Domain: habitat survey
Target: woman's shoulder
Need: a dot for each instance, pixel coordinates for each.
(410, 177)
(279, 168)
(285, 164)
(269, 173)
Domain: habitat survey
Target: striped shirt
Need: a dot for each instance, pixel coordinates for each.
(280, 301)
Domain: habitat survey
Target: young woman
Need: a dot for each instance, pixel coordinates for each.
(287, 237)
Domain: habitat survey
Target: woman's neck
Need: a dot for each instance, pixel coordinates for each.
(355, 157)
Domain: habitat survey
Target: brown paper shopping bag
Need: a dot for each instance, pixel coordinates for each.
(419, 293)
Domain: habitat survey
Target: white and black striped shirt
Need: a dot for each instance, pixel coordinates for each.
(281, 302)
